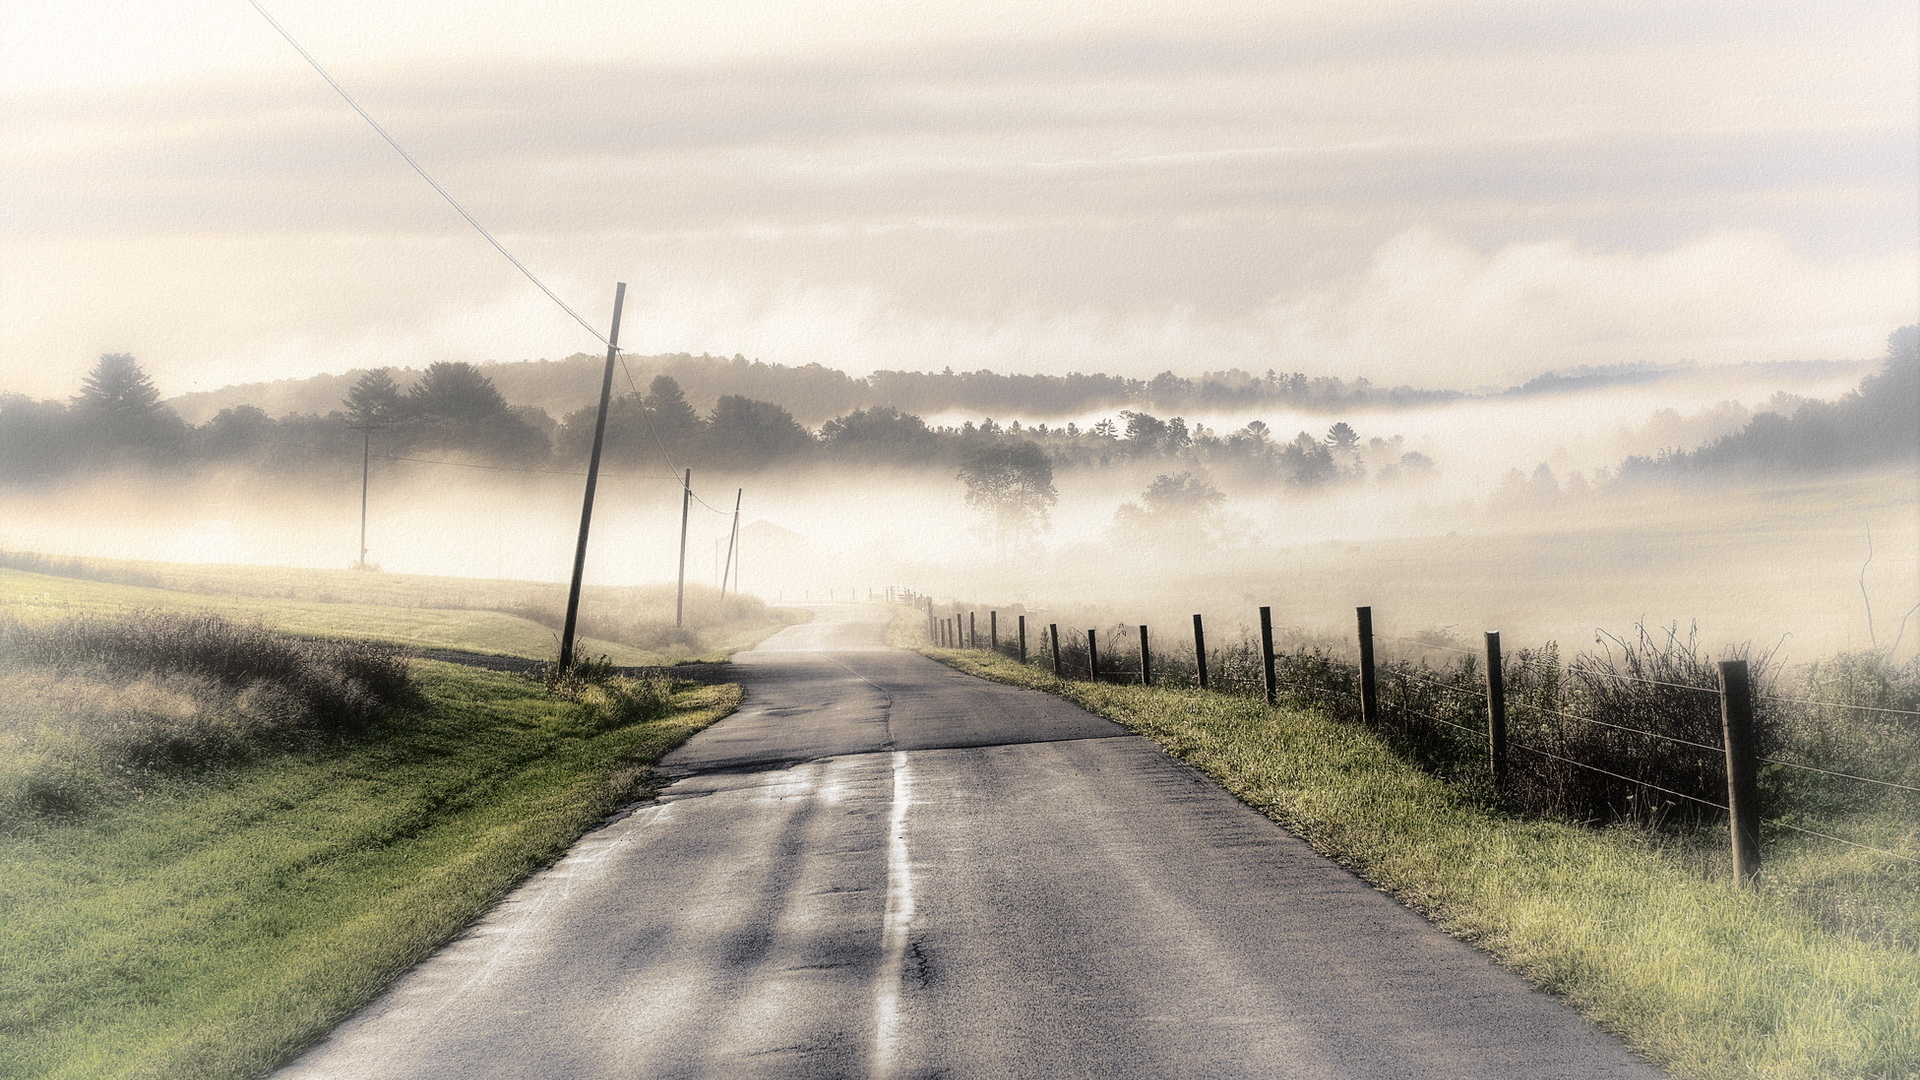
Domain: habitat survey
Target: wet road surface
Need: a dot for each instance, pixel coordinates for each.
(880, 868)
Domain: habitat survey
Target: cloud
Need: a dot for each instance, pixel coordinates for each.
(1431, 310)
(1510, 186)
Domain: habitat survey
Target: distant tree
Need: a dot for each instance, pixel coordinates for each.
(1174, 513)
(1412, 465)
(746, 433)
(38, 439)
(1178, 438)
(453, 393)
(1146, 434)
(1011, 483)
(455, 407)
(674, 421)
(880, 433)
(118, 411)
(1308, 462)
(374, 399)
(117, 387)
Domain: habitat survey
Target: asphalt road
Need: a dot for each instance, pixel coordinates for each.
(880, 867)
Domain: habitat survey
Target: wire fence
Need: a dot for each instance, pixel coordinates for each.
(1635, 731)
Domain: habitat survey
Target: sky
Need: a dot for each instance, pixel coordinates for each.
(1451, 194)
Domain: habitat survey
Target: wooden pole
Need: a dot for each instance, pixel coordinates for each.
(1743, 793)
(1200, 650)
(686, 507)
(993, 630)
(1053, 631)
(593, 480)
(1369, 698)
(1266, 652)
(366, 472)
(973, 630)
(1146, 665)
(1093, 656)
(1023, 638)
(733, 536)
(1496, 714)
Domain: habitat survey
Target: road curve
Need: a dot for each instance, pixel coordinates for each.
(882, 868)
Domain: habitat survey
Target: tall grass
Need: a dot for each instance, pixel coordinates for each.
(94, 707)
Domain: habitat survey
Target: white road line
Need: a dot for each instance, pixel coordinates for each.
(899, 918)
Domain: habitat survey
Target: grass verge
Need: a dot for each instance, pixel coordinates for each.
(1707, 981)
(221, 923)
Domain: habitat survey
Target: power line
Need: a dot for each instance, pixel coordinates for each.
(424, 175)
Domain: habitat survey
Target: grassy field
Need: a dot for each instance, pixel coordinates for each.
(1638, 929)
(513, 618)
(227, 918)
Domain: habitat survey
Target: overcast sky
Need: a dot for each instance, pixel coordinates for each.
(1448, 194)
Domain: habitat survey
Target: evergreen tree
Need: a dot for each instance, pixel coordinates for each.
(674, 421)
(118, 409)
(374, 400)
(454, 392)
(117, 388)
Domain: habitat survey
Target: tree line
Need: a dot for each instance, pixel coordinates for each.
(454, 412)
(815, 393)
(1875, 424)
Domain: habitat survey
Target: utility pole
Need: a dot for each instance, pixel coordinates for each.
(733, 536)
(366, 431)
(686, 505)
(593, 480)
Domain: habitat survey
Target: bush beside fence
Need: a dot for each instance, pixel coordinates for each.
(1638, 731)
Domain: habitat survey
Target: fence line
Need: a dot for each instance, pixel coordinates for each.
(1843, 840)
(1477, 732)
(1830, 772)
(1839, 705)
(1431, 645)
(1617, 776)
(1622, 727)
(1623, 678)
(1469, 691)
(1391, 717)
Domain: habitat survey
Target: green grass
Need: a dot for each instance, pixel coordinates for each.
(222, 922)
(27, 595)
(1706, 980)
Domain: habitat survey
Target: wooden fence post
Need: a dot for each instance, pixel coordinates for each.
(1053, 631)
(1093, 656)
(1200, 650)
(1266, 652)
(1146, 665)
(1743, 795)
(1369, 697)
(973, 631)
(1496, 714)
(993, 630)
(1023, 639)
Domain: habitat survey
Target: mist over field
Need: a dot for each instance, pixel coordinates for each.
(1521, 522)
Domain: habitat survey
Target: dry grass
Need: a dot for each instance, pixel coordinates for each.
(94, 707)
